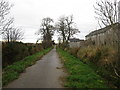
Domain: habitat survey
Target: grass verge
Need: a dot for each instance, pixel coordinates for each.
(13, 71)
(80, 75)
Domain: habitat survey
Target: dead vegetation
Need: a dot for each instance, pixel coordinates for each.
(103, 59)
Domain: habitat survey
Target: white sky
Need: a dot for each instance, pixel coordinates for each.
(29, 13)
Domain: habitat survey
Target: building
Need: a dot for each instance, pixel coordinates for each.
(105, 36)
(75, 43)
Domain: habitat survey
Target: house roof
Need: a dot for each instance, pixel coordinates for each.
(75, 40)
(102, 30)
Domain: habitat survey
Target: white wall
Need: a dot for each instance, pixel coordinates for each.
(74, 44)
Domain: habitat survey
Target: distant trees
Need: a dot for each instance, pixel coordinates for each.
(62, 28)
(70, 27)
(66, 27)
(47, 31)
(8, 31)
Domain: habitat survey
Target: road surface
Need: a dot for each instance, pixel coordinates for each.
(46, 73)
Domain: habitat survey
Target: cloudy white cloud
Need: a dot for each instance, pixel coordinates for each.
(28, 13)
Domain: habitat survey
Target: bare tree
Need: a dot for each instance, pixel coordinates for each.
(62, 28)
(7, 24)
(70, 27)
(4, 11)
(16, 34)
(6, 29)
(66, 27)
(4, 8)
(46, 29)
(10, 33)
(106, 12)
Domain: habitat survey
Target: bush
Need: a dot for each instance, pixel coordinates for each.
(46, 44)
(12, 52)
(15, 51)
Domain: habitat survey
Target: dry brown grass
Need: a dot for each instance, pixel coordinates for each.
(103, 59)
(97, 55)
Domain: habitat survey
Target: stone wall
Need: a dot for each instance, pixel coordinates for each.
(76, 44)
(104, 36)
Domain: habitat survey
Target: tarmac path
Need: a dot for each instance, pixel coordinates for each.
(46, 73)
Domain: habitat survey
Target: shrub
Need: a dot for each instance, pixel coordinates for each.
(15, 51)
(47, 44)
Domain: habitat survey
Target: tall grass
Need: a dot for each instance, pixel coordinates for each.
(101, 59)
(80, 75)
(97, 55)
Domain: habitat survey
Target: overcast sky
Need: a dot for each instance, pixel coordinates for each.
(29, 13)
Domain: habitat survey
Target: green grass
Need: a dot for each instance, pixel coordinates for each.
(80, 75)
(13, 71)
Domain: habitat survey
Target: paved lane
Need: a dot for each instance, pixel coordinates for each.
(46, 73)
